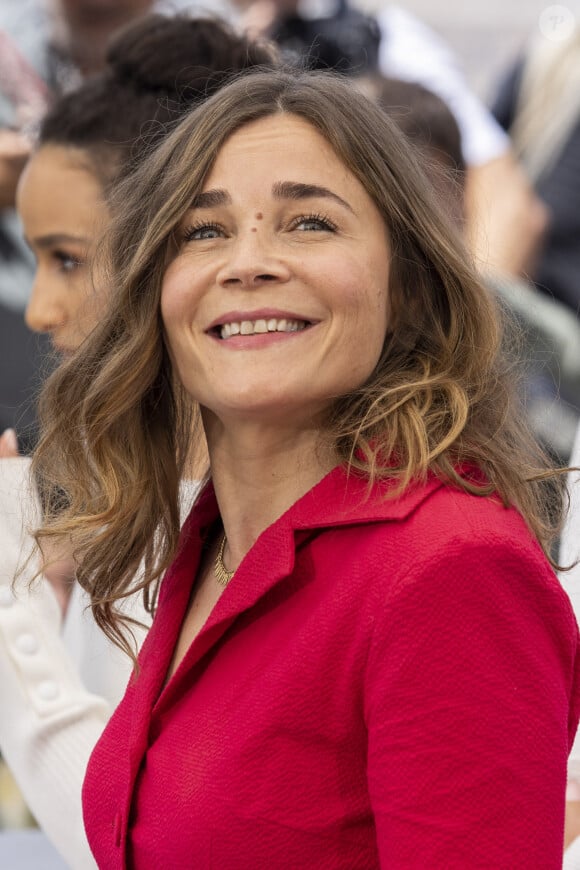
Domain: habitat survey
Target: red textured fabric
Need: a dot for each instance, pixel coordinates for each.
(383, 684)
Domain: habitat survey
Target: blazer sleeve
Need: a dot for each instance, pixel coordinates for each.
(471, 703)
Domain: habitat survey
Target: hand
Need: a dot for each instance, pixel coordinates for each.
(572, 823)
(8, 444)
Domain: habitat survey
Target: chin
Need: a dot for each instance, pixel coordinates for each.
(282, 414)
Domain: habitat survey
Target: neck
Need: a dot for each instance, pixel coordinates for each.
(258, 474)
(86, 50)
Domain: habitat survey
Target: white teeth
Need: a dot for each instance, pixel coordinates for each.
(260, 326)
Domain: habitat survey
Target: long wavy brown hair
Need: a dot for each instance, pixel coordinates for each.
(118, 428)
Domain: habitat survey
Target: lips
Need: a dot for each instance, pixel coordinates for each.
(261, 322)
(260, 326)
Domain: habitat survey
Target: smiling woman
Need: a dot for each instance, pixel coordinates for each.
(303, 290)
(359, 619)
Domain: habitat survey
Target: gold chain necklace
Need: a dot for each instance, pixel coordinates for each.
(222, 575)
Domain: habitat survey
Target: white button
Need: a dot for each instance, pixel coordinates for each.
(48, 690)
(27, 644)
(6, 597)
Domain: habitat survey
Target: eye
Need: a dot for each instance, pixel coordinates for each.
(203, 232)
(313, 223)
(67, 262)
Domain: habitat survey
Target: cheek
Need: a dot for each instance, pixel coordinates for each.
(88, 300)
(379, 300)
(179, 294)
(83, 287)
(367, 319)
(365, 297)
(95, 304)
(172, 299)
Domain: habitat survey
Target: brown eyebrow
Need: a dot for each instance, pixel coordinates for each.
(280, 190)
(296, 190)
(53, 240)
(211, 199)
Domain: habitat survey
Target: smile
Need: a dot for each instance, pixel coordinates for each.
(260, 327)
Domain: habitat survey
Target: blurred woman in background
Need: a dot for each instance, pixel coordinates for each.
(57, 691)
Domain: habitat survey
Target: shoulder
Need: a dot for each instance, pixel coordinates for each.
(440, 541)
(463, 573)
(397, 23)
(402, 33)
(429, 523)
(456, 529)
(440, 513)
(451, 520)
(437, 513)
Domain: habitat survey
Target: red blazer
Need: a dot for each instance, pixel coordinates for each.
(384, 683)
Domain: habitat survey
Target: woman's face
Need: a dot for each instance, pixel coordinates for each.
(60, 201)
(277, 299)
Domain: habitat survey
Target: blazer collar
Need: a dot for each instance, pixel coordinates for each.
(338, 499)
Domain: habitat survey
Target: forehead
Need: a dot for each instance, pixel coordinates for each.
(58, 186)
(278, 144)
(61, 160)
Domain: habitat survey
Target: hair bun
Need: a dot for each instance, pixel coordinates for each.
(174, 53)
(157, 70)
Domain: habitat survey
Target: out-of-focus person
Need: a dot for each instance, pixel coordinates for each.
(546, 334)
(46, 48)
(538, 103)
(23, 97)
(429, 124)
(60, 681)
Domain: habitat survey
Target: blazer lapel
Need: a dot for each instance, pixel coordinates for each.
(338, 499)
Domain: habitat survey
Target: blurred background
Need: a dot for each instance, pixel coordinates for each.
(487, 36)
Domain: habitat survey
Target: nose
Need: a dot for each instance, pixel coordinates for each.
(44, 312)
(253, 260)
